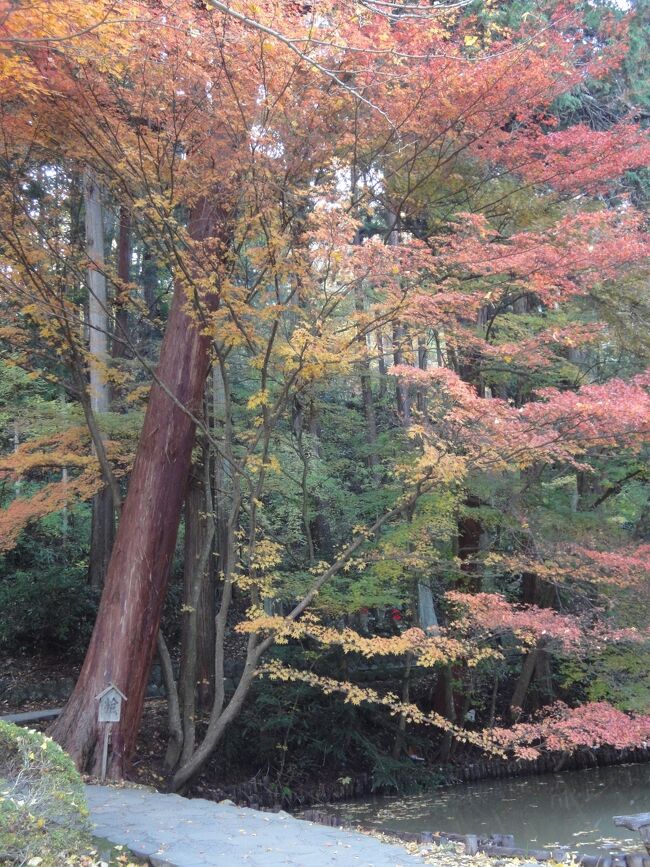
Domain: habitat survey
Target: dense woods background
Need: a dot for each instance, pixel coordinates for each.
(355, 296)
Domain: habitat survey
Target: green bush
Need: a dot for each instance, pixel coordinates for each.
(46, 603)
(43, 814)
(52, 611)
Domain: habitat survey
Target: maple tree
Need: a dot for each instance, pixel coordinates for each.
(356, 197)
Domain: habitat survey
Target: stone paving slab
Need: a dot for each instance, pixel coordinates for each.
(181, 832)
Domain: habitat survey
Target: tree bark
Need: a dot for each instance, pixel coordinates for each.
(398, 743)
(446, 706)
(97, 299)
(197, 640)
(366, 396)
(102, 530)
(147, 330)
(421, 399)
(402, 396)
(321, 530)
(174, 723)
(119, 344)
(471, 541)
(124, 637)
(523, 682)
(102, 534)
(381, 361)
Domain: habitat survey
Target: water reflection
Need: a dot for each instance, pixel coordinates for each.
(572, 809)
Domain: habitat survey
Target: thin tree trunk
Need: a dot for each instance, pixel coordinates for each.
(523, 682)
(421, 399)
(543, 675)
(97, 299)
(381, 361)
(16, 439)
(445, 688)
(103, 515)
(124, 638)
(493, 702)
(205, 614)
(175, 726)
(304, 498)
(401, 388)
(427, 617)
(402, 396)
(322, 532)
(102, 533)
(149, 282)
(372, 458)
(366, 396)
(195, 646)
(398, 744)
(64, 510)
(119, 344)
(471, 541)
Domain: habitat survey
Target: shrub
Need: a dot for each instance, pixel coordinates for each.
(46, 603)
(43, 812)
(28, 601)
(42, 805)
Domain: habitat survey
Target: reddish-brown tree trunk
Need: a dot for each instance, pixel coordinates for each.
(124, 637)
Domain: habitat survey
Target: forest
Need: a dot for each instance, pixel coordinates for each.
(325, 381)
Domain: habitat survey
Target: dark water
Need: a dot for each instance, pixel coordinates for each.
(572, 809)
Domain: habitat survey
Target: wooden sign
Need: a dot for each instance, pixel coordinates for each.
(110, 704)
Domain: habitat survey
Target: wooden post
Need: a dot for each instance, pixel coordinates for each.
(107, 732)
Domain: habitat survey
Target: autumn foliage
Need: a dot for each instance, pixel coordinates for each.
(369, 285)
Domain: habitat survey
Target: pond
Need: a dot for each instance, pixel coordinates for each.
(570, 809)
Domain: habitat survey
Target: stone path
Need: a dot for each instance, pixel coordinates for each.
(187, 832)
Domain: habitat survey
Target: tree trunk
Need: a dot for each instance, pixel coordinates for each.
(543, 676)
(523, 682)
(446, 706)
(381, 361)
(102, 534)
(402, 396)
(119, 345)
(97, 299)
(320, 526)
(102, 530)
(398, 743)
(197, 641)
(422, 364)
(366, 396)
(427, 617)
(471, 541)
(124, 637)
(149, 282)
